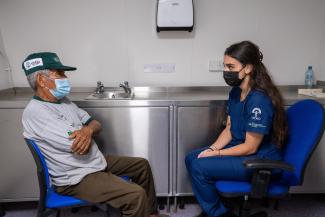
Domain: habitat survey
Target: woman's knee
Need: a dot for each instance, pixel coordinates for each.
(196, 167)
(189, 159)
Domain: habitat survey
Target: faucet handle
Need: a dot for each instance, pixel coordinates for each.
(126, 83)
(100, 87)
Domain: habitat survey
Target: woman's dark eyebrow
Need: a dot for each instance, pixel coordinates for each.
(229, 64)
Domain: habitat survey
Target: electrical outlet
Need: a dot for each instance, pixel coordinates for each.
(215, 66)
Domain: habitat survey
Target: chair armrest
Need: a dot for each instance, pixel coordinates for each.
(267, 164)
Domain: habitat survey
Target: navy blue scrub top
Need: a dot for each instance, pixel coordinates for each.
(253, 114)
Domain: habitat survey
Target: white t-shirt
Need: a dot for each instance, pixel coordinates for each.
(49, 124)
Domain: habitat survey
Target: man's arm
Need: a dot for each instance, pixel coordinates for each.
(83, 137)
(95, 126)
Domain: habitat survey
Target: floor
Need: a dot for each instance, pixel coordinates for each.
(296, 206)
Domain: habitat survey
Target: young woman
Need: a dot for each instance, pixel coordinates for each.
(256, 128)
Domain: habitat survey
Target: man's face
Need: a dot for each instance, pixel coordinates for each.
(49, 81)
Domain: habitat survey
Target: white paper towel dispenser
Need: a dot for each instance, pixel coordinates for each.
(175, 15)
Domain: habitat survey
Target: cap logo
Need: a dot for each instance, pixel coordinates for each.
(56, 59)
(33, 63)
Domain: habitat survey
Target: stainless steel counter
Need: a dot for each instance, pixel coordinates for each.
(146, 96)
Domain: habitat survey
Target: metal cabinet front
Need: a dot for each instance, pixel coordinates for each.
(196, 127)
(18, 180)
(140, 132)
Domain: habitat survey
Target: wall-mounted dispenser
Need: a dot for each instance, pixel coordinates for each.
(175, 15)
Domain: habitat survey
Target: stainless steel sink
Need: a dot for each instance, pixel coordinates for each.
(110, 95)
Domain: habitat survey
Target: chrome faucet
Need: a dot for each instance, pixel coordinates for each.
(100, 87)
(126, 87)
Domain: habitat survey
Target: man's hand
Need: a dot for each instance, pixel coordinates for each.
(206, 153)
(82, 140)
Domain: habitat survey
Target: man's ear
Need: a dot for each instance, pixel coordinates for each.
(249, 69)
(40, 80)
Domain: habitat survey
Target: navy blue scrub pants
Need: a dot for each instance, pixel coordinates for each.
(204, 172)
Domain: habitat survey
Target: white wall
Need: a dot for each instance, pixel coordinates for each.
(4, 81)
(321, 72)
(4, 67)
(111, 40)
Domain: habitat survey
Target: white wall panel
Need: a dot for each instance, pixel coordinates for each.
(111, 40)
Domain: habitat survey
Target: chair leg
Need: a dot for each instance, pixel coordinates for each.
(39, 214)
(74, 209)
(58, 213)
(245, 210)
(182, 203)
(2, 210)
(48, 212)
(108, 212)
(259, 214)
(276, 205)
(265, 202)
(94, 208)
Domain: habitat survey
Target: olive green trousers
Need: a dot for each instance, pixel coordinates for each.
(134, 199)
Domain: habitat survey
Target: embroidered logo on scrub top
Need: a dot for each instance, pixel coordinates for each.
(255, 125)
(257, 113)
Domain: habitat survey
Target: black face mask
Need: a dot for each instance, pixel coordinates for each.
(232, 78)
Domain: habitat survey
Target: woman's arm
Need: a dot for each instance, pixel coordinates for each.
(250, 146)
(224, 138)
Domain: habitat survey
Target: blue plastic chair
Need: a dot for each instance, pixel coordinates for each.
(306, 127)
(49, 200)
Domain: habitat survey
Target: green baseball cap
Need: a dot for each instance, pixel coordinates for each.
(43, 60)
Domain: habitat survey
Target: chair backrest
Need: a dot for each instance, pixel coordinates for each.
(306, 126)
(42, 171)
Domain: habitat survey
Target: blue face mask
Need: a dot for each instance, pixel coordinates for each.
(62, 88)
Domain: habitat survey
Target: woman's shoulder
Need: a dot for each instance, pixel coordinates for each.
(258, 96)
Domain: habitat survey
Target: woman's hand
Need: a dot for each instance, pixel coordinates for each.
(82, 140)
(206, 153)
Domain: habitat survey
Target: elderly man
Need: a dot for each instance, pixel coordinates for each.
(64, 134)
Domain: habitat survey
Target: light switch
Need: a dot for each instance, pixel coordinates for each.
(159, 68)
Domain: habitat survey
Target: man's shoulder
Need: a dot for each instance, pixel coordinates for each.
(35, 107)
(33, 103)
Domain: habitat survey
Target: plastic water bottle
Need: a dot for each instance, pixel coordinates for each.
(309, 77)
